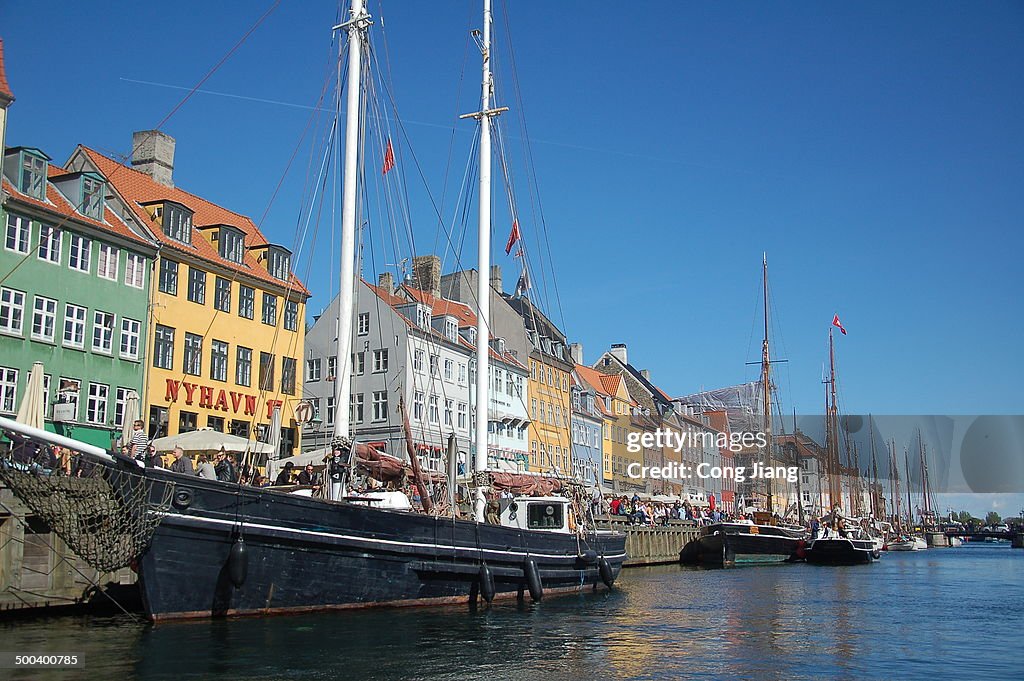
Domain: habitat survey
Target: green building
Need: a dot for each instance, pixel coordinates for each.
(74, 293)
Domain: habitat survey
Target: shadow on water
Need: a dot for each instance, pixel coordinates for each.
(911, 615)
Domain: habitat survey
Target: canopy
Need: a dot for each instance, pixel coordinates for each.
(209, 440)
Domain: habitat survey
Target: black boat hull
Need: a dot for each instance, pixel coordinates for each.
(721, 546)
(304, 554)
(841, 551)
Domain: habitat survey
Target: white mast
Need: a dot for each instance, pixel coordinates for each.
(356, 25)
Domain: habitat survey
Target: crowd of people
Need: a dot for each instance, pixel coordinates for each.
(652, 513)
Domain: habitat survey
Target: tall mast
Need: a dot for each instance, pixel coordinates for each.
(874, 496)
(926, 493)
(897, 494)
(910, 501)
(356, 25)
(835, 488)
(766, 385)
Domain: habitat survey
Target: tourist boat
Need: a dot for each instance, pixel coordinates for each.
(911, 543)
(835, 548)
(205, 548)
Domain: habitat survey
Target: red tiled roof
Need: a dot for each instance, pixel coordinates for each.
(592, 377)
(5, 89)
(442, 306)
(56, 203)
(138, 188)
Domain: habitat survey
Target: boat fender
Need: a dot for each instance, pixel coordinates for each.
(533, 582)
(604, 568)
(588, 557)
(486, 582)
(238, 563)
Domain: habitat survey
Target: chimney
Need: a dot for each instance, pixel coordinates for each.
(619, 352)
(576, 352)
(153, 154)
(646, 374)
(496, 278)
(426, 273)
(386, 282)
(6, 98)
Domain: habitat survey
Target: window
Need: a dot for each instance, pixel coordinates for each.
(449, 412)
(103, 332)
(222, 294)
(332, 368)
(269, 309)
(197, 286)
(266, 371)
(134, 270)
(188, 421)
(168, 277)
(33, 175)
(120, 398)
(363, 323)
(215, 423)
(380, 405)
(433, 365)
(313, 370)
(12, 311)
(291, 315)
(417, 405)
(462, 373)
(544, 516)
(219, 360)
(288, 370)
(8, 389)
(243, 366)
(239, 428)
(358, 363)
(449, 369)
(231, 244)
(130, 330)
(463, 415)
(80, 252)
(278, 262)
(96, 406)
(533, 408)
(177, 223)
(451, 330)
(49, 244)
(193, 354)
(163, 346)
(422, 317)
(432, 412)
(330, 410)
(417, 359)
(509, 386)
(92, 197)
(74, 326)
(380, 360)
(106, 265)
(355, 412)
(246, 302)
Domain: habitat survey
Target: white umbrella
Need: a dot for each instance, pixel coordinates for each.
(131, 414)
(209, 440)
(32, 410)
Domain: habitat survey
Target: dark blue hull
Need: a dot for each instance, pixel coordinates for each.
(308, 554)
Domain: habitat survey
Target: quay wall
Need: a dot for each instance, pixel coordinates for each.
(647, 545)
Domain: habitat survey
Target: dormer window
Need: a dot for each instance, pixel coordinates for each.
(176, 220)
(231, 243)
(93, 189)
(279, 262)
(451, 329)
(33, 173)
(422, 317)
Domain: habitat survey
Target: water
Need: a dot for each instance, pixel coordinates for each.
(932, 614)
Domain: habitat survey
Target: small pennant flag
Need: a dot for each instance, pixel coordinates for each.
(523, 285)
(389, 158)
(513, 237)
(838, 324)
(519, 252)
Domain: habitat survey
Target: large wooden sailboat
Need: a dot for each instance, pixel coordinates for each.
(206, 548)
(763, 539)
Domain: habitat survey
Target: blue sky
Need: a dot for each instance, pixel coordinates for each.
(873, 150)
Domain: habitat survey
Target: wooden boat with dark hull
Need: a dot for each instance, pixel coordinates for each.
(729, 544)
(838, 550)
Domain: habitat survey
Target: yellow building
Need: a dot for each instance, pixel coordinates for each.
(550, 413)
(227, 317)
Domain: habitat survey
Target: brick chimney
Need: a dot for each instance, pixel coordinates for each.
(426, 274)
(153, 154)
(386, 282)
(496, 278)
(619, 352)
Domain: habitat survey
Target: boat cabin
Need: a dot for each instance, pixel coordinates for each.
(536, 513)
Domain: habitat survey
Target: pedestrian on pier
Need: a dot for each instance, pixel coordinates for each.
(139, 441)
(182, 464)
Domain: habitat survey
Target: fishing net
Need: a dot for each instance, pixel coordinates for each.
(103, 515)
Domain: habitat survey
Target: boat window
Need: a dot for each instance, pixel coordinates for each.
(545, 516)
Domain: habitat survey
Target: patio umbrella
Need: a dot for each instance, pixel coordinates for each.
(32, 410)
(209, 440)
(131, 414)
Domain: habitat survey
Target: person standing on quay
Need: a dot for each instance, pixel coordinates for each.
(182, 464)
(139, 441)
(206, 469)
(225, 471)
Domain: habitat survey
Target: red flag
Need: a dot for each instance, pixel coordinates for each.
(513, 237)
(389, 158)
(835, 322)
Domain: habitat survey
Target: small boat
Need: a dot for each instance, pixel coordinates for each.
(729, 544)
(835, 548)
(908, 544)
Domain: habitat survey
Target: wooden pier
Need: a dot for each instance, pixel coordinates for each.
(37, 569)
(646, 545)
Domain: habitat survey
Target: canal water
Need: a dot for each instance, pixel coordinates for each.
(934, 614)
